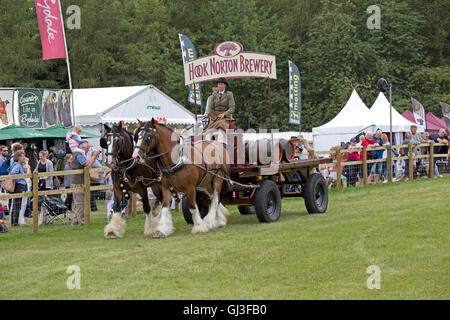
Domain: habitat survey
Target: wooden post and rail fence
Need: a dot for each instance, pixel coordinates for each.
(86, 189)
(339, 164)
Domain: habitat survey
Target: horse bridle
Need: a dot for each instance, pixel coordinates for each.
(123, 165)
(148, 137)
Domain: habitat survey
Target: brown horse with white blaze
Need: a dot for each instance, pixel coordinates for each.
(201, 166)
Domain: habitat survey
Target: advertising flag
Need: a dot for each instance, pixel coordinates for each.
(295, 106)
(446, 113)
(51, 29)
(419, 112)
(189, 53)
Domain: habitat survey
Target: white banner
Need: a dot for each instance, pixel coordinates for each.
(229, 61)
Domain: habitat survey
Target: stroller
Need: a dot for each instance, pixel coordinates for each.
(52, 209)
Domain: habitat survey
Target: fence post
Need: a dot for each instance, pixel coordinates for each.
(338, 169)
(87, 195)
(133, 204)
(35, 202)
(389, 163)
(411, 167)
(431, 174)
(365, 166)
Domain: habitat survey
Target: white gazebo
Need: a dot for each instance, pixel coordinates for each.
(97, 106)
(353, 119)
(379, 113)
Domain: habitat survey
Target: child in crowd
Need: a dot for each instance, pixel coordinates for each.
(74, 139)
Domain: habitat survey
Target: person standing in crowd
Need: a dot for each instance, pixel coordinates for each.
(80, 161)
(405, 152)
(440, 137)
(44, 165)
(95, 182)
(14, 148)
(67, 167)
(368, 141)
(377, 167)
(3, 154)
(352, 169)
(19, 165)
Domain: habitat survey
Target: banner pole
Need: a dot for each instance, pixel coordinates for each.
(67, 63)
(195, 103)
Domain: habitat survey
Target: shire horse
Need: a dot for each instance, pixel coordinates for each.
(127, 176)
(174, 159)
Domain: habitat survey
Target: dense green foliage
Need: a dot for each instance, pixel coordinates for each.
(135, 42)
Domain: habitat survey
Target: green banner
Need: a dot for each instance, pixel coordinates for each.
(30, 108)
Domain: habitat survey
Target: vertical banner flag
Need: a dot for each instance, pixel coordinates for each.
(295, 106)
(6, 108)
(189, 53)
(30, 103)
(446, 113)
(419, 112)
(50, 27)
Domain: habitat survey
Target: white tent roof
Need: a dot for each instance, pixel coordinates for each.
(352, 119)
(108, 105)
(379, 113)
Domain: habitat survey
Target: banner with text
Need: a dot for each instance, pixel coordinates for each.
(446, 113)
(6, 108)
(50, 27)
(419, 112)
(230, 61)
(295, 96)
(189, 53)
(30, 104)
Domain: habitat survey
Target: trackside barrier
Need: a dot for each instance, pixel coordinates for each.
(86, 189)
(362, 167)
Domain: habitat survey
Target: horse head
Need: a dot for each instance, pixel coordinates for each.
(145, 138)
(118, 143)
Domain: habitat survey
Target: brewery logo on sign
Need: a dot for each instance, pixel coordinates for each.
(30, 102)
(228, 49)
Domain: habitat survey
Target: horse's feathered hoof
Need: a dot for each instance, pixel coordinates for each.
(158, 235)
(113, 235)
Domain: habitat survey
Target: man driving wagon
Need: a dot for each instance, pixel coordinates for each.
(220, 107)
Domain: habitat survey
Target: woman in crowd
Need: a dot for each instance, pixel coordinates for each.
(19, 166)
(69, 198)
(44, 165)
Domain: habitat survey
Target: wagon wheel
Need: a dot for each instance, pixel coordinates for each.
(246, 210)
(187, 214)
(316, 194)
(268, 202)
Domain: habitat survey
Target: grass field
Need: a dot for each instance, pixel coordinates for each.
(403, 228)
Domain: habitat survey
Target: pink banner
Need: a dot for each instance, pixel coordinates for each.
(50, 27)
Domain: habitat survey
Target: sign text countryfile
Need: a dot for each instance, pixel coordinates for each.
(230, 61)
(30, 104)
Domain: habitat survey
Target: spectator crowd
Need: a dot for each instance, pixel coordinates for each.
(377, 171)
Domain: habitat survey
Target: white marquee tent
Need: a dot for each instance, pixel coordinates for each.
(97, 106)
(352, 119)
(379, 112)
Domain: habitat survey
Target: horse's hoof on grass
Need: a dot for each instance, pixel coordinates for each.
(112, 235)
(200, 229)
(158, 235)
